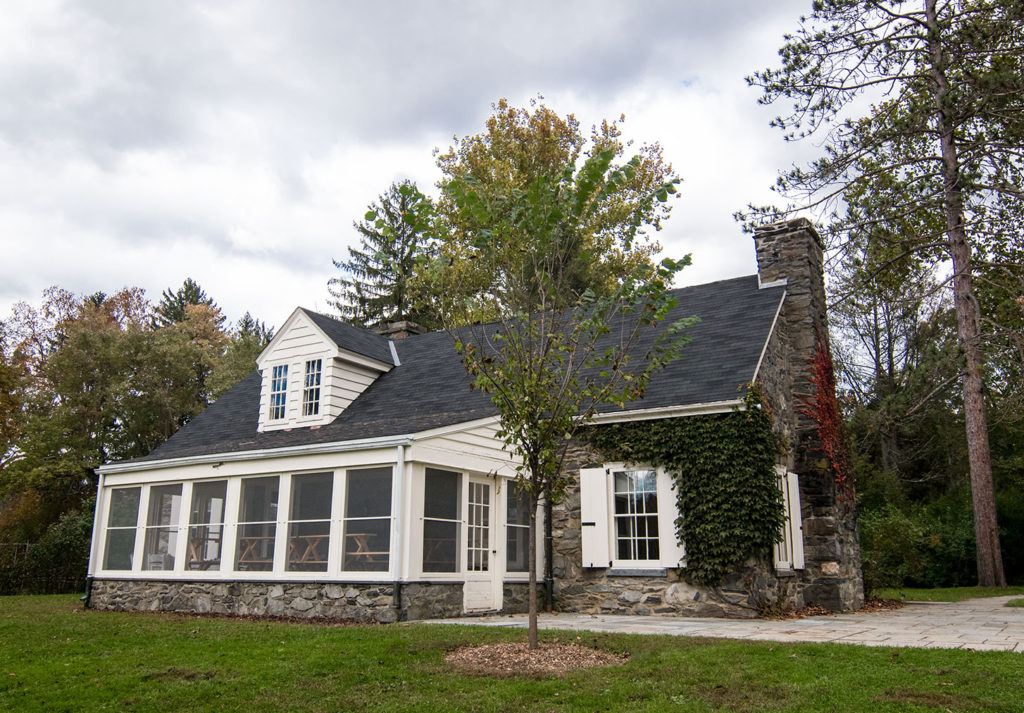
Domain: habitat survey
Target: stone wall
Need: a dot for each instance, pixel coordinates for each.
(370, 602)
(793, 251)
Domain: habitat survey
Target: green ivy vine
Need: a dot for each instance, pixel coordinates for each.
(727, 490)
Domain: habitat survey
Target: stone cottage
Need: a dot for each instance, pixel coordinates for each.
(355, 474)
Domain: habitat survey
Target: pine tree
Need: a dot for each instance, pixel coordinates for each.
(939, 150)
(373, 284)
(171, 309)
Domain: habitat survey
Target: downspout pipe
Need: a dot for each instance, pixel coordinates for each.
(549, 577)
(398, 547)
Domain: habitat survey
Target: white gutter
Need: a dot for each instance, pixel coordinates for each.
(399, 508)
(649, 414)
(309, 449)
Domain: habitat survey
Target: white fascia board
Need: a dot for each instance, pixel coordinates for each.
(771, 331)
(308, 449)
(650, 414)
(775, 283)
(360, 360)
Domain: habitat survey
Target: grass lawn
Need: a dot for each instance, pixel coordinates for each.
(56, 657)
(947, 594)
(1015, 603)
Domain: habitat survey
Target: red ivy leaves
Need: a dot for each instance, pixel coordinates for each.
(823, 407)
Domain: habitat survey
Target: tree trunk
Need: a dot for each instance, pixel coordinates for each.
(968, 321)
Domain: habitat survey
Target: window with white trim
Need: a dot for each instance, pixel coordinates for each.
(122, 520)
(627, 518)
(206, 526)
(311, 388)
(278, 392)
(635, 498)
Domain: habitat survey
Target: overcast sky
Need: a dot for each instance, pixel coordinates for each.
(235, 142)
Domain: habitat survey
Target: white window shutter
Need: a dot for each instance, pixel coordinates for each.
(594, 517)
(672, 551)
(796, 524)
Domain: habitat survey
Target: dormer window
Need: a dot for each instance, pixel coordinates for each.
(278, 392)
(311, 388)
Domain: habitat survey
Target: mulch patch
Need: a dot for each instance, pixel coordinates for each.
(506, 660)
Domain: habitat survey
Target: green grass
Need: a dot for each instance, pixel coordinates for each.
(947, 594)
(55, 657)
(1015, 603)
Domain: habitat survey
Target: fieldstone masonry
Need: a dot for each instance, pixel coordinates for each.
(790, 251)
(369, 602)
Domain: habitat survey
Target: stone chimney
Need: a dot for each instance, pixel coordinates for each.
(398, 330)
(791, 252)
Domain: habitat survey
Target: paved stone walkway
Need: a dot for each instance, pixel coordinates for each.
(977, 624)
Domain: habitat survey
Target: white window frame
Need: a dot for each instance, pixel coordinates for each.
(597, 520)
(311, 392)
(278, 399)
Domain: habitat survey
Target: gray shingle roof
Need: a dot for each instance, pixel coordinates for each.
(352, 338)
(430, 389)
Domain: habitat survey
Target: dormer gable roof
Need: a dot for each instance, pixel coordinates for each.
(350, 342)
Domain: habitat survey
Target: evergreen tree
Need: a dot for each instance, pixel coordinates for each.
(171, 309)
(373, 286)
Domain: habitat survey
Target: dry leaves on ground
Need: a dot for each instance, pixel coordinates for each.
(511, 659)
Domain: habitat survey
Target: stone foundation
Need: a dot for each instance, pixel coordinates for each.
(362, 601)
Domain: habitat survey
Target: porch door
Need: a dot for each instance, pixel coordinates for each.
(482, 591)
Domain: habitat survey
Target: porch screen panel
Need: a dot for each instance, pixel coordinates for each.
(441, 523)
(367, 532)
(162, 527)
(309, 528)
(206, 526)
(257, 524)
(517, 530)
(122, 519)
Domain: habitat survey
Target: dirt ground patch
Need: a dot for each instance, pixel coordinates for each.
(515, 659)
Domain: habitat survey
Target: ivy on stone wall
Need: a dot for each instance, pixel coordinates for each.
(728, 495)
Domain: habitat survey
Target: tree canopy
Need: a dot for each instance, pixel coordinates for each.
(921, 105)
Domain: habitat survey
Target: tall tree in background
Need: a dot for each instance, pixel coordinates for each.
(941, 152)
(171, 309)
(249, 337)
(520, 150)
(373, 285)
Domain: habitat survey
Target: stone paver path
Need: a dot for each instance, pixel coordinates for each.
(978, 624)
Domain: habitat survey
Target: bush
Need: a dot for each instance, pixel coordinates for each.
(929, 546)
(58, 563)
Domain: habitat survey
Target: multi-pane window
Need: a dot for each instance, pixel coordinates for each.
(478, 528)
(517, 530)
(367, 531)
(441, 521)
(257, 525)
(162, 527)
(122, 519)
(311, 388)
(278, 391)
(309, 526)
(206, 526)
(636, 515)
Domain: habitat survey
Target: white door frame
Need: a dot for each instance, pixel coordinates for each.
(482, 590)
